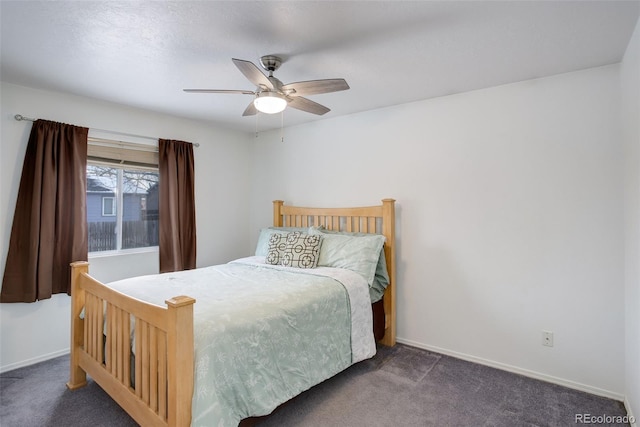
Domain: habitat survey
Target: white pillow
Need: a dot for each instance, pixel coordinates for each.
(359, 254)
(381, 277)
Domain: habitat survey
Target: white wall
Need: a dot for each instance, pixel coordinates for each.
(33, 332)
(630, 85)
(509, 217)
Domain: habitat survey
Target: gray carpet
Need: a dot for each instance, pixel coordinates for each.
(400, 386)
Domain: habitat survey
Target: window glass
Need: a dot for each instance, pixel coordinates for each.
(122, 207)
(108, 206)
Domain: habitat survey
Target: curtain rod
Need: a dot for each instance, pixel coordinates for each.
(20, 117)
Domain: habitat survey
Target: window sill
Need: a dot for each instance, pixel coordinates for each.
(123, 252)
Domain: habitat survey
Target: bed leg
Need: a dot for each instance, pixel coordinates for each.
(77, 377)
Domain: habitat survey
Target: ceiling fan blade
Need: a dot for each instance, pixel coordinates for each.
(253, 73)
(242, 92)
(307, 105)
(314, 87)
(250, 110)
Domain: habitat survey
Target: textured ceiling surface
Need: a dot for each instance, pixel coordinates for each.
(144, 53)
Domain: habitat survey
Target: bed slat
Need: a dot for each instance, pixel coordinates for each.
(126, 349)
(88, 319)
(144, 356)
(138, 363)
(100, 331)
(162, 375)
(111, 338)
(97, 327)
(87, 328)
(119, 344)
(153, 370)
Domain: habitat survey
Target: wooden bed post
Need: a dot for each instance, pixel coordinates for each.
(388, 226)
(277, 213)
(77, 376)
(181, 352)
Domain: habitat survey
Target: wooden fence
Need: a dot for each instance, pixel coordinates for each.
(136, 234)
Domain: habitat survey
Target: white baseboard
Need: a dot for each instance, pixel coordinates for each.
(33, 361)
(632, 418)
(527, 373)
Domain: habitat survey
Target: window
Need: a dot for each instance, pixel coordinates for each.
(108, 206)
(122, 207)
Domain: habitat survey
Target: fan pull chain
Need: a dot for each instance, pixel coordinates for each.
(282, 126)
(257, 124)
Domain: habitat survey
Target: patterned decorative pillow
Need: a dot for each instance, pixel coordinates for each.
(302, 250)
(262, 247)
(275, 251)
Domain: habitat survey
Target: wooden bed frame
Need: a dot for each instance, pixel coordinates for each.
(162, 390)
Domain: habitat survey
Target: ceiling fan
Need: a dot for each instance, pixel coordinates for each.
(272, 96)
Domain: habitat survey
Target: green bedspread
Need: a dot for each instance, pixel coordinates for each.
(262, 335)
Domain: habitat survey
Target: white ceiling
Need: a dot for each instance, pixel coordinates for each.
(144, 53)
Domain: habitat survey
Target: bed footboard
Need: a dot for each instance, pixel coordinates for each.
(157, 388)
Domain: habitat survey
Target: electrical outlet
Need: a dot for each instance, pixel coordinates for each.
(547, 338)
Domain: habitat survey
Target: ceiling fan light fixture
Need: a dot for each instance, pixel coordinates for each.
(271, 96)
(270, 102)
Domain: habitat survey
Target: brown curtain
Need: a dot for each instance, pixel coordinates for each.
(177, 206)
(50, 222)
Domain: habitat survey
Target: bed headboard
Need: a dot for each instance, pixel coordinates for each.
(378, 219)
